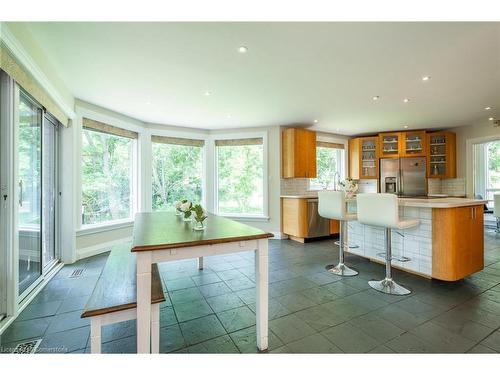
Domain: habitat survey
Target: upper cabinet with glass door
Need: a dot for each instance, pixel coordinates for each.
(414, 143)
(363, 154)
(390, 144)
(441, 162)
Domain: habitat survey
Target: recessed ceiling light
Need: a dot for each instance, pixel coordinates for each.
(487, 108)
(148, 103)
(208, 93)
(242, 49)
(426, 78)
(491, 119)
(406, 100)
(376, 97)
(315, 121)
(406, 126)
(228, 115)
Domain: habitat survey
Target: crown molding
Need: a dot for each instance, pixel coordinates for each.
(23, 57)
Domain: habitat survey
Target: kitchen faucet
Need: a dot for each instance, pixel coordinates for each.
(336, 178)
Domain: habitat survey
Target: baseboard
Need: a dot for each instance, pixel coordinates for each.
(99, 248)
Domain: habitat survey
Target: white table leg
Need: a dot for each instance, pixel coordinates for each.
(200, 263)
(144, 301)
(261, 279)
(95, 335)
(155, 328)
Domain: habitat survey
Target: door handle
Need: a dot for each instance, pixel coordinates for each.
(20, 193)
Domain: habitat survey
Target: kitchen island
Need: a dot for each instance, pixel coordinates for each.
(448, 244)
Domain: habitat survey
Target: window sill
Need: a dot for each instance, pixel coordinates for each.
(99, 228)
(245, 218)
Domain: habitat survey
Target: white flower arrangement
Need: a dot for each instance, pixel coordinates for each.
(177, 206)
(183, 207)
(349, 187)
(191, 211)
(186, 206)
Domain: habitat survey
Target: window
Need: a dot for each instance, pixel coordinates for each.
(492, 169)
(329, 165)
(107, 172)
(177, 171)
(240, 176)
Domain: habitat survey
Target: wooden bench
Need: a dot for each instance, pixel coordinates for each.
(114, 297)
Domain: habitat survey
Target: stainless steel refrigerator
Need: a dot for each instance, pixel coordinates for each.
(403, 176)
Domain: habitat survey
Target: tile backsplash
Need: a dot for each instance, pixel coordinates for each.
(294, 186)
(449, 186)
(434, 186)
(453, 186)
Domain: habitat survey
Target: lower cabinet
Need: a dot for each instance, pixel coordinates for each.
(457, 242)
(297, 220)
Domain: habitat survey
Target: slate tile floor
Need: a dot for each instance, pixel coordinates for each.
(311, 311)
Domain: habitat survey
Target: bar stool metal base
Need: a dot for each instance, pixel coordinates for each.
(341, 269)
(389, 286)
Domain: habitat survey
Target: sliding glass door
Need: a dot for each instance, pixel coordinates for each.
(5, 101)
(29, 172)
(37, 190)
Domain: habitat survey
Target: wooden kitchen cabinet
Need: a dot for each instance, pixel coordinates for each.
(457, 242)
(363, 158)
(442, 155)
(298, 155)
(334, 227)
(414, 143)
(390, 145)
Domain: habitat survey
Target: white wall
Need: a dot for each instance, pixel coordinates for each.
(35, 61)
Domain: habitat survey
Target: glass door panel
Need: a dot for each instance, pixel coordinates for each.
(4, 104)
(29, 152)
(49, 191)
(369, 158)
(389, 144)
(438, 155)
(415, 143)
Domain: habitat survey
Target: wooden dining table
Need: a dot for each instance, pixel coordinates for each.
(164, 236)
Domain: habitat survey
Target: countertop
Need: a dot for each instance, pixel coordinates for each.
(302, 196)
(440, 202)
(432, 202)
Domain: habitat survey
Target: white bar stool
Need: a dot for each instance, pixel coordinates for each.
(496, 210)
(332, 205)
(382, 210)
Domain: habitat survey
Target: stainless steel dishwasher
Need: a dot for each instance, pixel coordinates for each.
(317, 226)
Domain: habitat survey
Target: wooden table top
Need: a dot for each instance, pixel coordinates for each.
(165, 230)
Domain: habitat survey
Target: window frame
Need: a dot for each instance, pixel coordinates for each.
(83, 229)
(265, 175)
(342, 164)
(486, 170)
